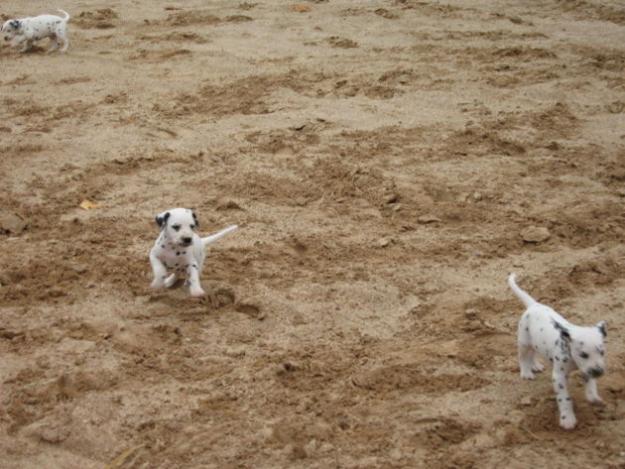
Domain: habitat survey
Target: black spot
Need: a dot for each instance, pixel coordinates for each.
(161, 220)
(563, 417)
(541, 329)
(550, 359)
(163, 246)
(557, 341)
(561, 368)
(184, 252)
(559, 399)
(564, 360)
(177, 253)
(557, 358)
(527, 329)
(568, 398)
(561, 386)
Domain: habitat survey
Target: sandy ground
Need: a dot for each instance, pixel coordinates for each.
(389, 162)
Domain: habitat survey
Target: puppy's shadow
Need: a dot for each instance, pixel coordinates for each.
(36, 50)
(10, 51)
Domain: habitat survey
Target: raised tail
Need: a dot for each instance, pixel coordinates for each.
(67, 17)
(523, 296)
(214, 237)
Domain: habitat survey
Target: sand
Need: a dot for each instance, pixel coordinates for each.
(389, 162)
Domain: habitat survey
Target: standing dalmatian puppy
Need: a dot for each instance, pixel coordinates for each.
(567, 346)
(179, 248)
(26, 31)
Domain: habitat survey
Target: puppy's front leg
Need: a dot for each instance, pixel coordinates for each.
(591, 391)
(159, 270)
(195, 289)
(27, 45)
(565, 405)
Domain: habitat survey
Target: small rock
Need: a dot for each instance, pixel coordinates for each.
(391, 198)
(384, 242)
(11, 223)
(476, 196)
(228, 205)
(535, 234)
(526, 401)
(425, 219)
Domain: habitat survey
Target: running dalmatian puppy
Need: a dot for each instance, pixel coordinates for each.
(567, 346)
(26, 31)
(179, 248)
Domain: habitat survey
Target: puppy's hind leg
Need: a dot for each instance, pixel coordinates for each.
(65, 42)
(526, 361)
(55, 45)
(526, 352)
(537, 366)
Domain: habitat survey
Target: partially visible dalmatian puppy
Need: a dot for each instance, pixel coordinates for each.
(179, 248)
(26, 31)
(567, 346)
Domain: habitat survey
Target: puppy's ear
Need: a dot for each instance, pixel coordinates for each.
(602, 326)
(161, 219)
(16, 24)
(564, 332)
(197, 223)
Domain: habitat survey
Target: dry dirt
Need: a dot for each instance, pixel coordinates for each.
(389, 162)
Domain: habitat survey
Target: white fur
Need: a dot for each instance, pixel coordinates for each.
(180, 249)
(26, 31)
(544, 332)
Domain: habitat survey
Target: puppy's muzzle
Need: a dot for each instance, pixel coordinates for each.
(186, 241)
(596, 372)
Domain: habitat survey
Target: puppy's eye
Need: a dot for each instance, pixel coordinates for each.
(584, 355)
(176, 227)
(192, 227)
(601, 352)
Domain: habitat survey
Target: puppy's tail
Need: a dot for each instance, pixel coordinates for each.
(523, 296)
(214, 237)
(67, 17)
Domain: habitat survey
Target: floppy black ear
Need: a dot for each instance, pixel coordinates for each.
(161, 220)
(197, 223)
(564, 332)
(16, 24)
(602, 326)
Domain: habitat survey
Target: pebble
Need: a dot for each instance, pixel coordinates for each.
(11, 223)
(425, 219)
(535, 234)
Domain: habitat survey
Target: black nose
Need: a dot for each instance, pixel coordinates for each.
(596, 372)
(186, 240)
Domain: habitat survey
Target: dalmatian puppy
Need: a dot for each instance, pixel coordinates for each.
(544, 332)
(26, 31)
(178, 248)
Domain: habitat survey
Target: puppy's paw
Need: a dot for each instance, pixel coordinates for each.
(527, 375)
(568, 421)
(157, 283)
(538, 367)
(197, 292)
(170, 281)
(595, 400)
